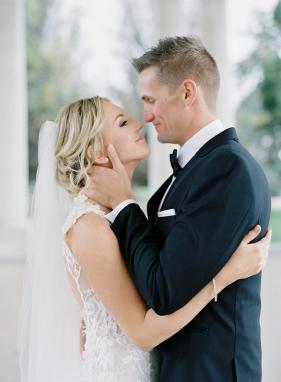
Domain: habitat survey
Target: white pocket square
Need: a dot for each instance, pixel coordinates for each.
(164, 213)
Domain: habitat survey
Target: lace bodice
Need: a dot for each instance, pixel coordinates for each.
(109, 356)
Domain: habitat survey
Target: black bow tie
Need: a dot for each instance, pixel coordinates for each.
(174, 163)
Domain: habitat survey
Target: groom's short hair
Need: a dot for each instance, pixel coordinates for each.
(179, 58)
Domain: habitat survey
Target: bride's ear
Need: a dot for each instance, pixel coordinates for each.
(102, 159)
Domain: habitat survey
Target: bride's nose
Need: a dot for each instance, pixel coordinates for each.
(138, 125)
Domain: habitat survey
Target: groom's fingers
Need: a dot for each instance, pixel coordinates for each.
(264, 247)
(114, 158)
(267, 238)
(251, 235)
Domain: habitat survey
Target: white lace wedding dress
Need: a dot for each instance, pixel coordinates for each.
(109, 356)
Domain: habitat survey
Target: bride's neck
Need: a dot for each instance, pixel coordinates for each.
(130, 168)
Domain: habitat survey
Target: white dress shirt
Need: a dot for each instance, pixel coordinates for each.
(186, 153)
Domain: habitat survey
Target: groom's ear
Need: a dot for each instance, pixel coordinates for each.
(190, 91)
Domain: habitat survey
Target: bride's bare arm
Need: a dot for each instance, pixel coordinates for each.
(96, 249)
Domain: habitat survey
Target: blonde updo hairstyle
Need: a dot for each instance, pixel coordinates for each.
(80, 127)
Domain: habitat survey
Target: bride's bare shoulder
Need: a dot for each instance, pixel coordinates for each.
(90, 229)
(90, 223)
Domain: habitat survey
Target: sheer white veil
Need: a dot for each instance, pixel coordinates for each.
(48, 335)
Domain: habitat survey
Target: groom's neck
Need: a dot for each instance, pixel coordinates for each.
(196, 125)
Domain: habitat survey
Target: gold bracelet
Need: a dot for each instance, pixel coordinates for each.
(215, 290)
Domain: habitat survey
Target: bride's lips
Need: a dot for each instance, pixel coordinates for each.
(140, 138)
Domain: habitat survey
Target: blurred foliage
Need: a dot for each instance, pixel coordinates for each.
(52, 72)
(259, 115)
(275, 224)
(51, 69)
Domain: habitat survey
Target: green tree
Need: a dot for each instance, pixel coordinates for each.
(259, 114)
(51, 71)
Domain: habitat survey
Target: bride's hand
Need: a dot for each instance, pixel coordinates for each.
(249, 259)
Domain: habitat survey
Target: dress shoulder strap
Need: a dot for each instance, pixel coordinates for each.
(81, 206)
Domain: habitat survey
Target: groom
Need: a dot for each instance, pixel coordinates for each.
(196, 219)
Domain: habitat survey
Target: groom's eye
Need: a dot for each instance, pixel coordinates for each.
(150, 101)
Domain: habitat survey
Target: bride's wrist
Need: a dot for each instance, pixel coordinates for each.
(225, 277)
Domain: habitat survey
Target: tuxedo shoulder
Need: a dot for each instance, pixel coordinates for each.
(229, 148)
(230, 164)
(226, 157)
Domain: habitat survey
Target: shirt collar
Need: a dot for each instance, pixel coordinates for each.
(198, 140)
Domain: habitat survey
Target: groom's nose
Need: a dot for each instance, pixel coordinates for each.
(148, 117)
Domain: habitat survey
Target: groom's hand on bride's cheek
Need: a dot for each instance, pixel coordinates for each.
(109, 186)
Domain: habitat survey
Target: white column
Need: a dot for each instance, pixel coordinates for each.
(166, 16)
(208, 19)
(213, 20)
(13, 131)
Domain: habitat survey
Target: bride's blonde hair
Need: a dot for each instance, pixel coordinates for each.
(80, 127)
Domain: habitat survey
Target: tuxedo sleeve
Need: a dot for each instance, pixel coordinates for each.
(209, 226)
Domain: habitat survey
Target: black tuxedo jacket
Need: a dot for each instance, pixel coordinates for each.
(217, 197)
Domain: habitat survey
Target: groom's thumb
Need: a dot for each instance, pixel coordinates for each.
(114, 158)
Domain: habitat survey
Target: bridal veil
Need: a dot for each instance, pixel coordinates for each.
(48, 335)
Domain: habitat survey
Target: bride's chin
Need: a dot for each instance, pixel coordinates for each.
(142, 154)
(137, 160)
(147, 151)
(145, 155)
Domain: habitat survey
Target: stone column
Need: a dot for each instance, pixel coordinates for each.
(13, 113)
(213, 21)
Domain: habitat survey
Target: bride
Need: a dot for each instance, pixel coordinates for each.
(75, 272)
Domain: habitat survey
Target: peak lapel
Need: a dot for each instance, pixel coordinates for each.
(154, 201)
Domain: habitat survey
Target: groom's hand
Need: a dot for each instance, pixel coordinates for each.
(109, 186)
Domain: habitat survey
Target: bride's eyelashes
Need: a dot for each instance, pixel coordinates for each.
(124, 123)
